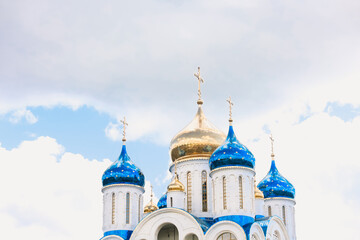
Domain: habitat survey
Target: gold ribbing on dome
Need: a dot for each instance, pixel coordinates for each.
(272, 147)
(175, 184)
(258, 194)
(150, 207)
(124, 129)
(230, 109)
(201, 80)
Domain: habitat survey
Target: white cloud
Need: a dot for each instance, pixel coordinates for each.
(113, 131)
(319, 156)
(49, 193)
(20, 114)
(263, 54)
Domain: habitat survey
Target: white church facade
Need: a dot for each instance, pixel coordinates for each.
(213, 194)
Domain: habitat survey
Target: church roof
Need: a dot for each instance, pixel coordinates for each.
(275, 185)
(198, 139)
(123, 171)
(231, 153)
(162, 203)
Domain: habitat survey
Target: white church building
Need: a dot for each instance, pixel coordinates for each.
(213, 194)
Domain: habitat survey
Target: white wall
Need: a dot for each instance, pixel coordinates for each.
(195, 166)
(178, 199)
(120, 191)
(276, 205)
(232, 191)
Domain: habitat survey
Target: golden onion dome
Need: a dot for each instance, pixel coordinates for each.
(176, 185)
(258, 193)
(150, 207)
(198, 139)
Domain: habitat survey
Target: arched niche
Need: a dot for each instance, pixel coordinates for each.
(191, 237)
(226, 236)
(168, 232)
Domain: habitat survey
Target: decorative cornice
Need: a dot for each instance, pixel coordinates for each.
(232, 167)
(185, 158)
(190, 158)
(280, 198)
(122, 185)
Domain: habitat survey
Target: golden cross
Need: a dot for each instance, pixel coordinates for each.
(175, 170)
(151, 195)
(201, 80)
(230, 111)
(272, 146)
(124, 128)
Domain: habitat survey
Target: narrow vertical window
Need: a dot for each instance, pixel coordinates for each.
(284, 214)
(213, 199)
(127, 208)
(188, 194)
(224, 193)
(204, 190)
(241, 192)
(171, 202)
(113, 208)
(139, 209)
(269, 211)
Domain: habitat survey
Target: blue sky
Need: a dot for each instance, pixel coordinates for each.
(69, 71)
(83, 131)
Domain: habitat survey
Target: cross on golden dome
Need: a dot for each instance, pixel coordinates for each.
(151, 195)
(230, 110)
(201, 80)
(124, 128)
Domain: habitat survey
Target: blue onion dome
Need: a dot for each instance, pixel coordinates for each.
(231, 153)
(162, 203)
(199, 138)
(123, 171)
(275, 185)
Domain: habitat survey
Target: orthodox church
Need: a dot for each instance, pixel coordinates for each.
(213, 194)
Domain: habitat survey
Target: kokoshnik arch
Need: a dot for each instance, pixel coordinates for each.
(213, 194)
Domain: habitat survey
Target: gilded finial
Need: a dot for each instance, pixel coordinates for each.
(151, 195)
(175, 184)
(124, 128)
(230, 110)
(175, 169)
(201, 80)
(272, 147)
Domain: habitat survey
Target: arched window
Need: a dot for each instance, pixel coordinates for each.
(276, 235)
(188, 194)
(226, 236)
(139, 208)
(284, 214)
(269, 211)
(127, 208)
(241, 192)
(113, 208)
(204, 190)
(254, 237)
(224, 193)
(171, 202)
